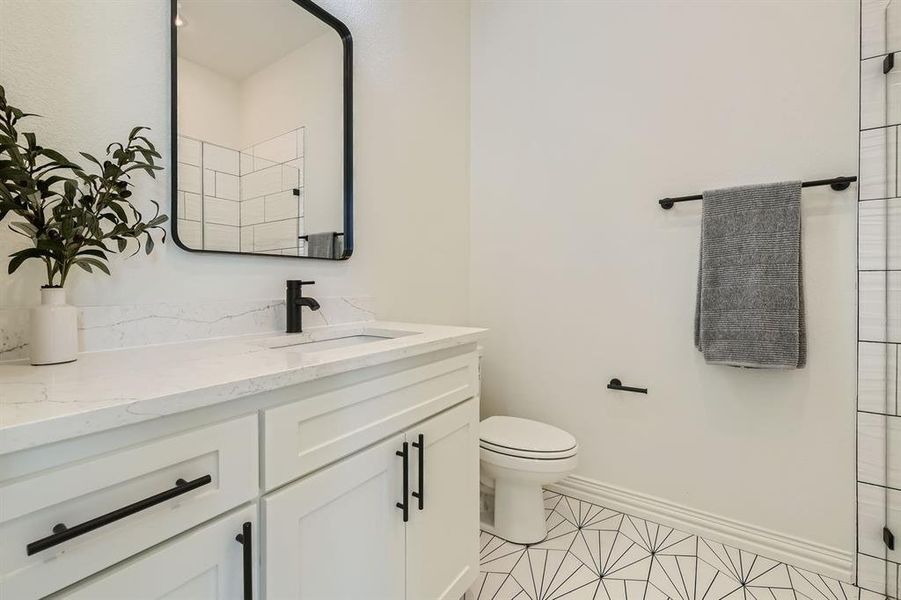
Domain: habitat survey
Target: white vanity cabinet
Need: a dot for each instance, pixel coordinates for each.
(362, 529)
(361, 485)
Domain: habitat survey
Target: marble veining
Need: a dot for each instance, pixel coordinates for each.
(111, 327)
(107, 389)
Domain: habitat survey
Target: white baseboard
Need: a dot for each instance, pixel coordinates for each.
(777, 546)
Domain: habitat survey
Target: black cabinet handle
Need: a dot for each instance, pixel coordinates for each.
(888, 63)
(616, 384)
(61, 533)
(405, 505)
(420, 495)
(245, 539)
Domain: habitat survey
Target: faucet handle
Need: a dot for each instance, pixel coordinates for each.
(298, 282)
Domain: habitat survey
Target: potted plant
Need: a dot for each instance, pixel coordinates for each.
(72, 217)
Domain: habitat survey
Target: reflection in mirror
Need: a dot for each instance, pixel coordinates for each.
(260, 129)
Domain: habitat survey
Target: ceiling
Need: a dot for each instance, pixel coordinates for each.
(237, 38)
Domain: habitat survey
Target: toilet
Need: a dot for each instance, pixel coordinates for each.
(518, 457)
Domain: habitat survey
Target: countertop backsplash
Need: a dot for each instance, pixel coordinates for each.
(125, 326)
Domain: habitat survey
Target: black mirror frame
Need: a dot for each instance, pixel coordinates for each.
(347, 43)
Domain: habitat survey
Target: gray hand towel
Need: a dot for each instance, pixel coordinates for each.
(750, 301)
(324, 245)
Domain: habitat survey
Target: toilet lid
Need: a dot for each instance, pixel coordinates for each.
(524, 435)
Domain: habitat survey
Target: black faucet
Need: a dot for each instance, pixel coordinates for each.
(294, 302)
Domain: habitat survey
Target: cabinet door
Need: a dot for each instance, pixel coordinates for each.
(337, 534)
(204, 564)
(442, 537)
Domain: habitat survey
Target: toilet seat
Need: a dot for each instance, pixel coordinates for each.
(516, 453)
(528, 465)
(525, 439)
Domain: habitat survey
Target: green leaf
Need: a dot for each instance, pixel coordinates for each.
(136, 131)
(22, 255)
(70, 188)
(92, 252)
(26, 229)
(91, 158)
(94, 263)
(58, 157)
(120, 212)
(54, 179)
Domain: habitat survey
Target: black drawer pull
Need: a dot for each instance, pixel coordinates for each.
(420, 495)
(405, 505)
(616, 384)
(61, 533)
(244, 538)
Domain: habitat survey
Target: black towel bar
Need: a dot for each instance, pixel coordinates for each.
(837, 183)
(616, 384)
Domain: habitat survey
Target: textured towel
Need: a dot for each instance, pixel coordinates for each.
(750, 302)
(324, 245)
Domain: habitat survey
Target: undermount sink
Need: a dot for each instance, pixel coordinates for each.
(319, 343)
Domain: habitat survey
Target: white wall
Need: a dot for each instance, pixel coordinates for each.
(583, 115)
(102, 67)
(209, 105)
(304, 89)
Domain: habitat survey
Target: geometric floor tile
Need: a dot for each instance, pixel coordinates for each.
(594, 553)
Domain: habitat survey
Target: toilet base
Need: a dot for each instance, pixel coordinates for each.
(518, 492)
(519, 512)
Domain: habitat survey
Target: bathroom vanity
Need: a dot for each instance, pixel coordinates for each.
(337, 463)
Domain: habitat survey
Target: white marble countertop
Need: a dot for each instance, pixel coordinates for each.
(104, 390)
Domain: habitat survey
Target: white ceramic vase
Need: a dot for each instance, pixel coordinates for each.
(54, 329)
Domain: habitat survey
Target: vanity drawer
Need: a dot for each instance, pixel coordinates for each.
(119, 503)
(305, 435)
(206, 563)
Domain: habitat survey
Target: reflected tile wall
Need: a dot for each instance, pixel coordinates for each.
(242, 201)
(272, 195)
(879, 302)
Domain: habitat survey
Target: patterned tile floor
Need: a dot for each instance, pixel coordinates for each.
(594, 553)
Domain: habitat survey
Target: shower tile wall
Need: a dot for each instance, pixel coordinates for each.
(879, 285)
(242, 201)
(208, 195)
(272, 195)
(190, 190)
(221, 197)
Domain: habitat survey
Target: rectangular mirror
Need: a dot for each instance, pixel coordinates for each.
(261, 129)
